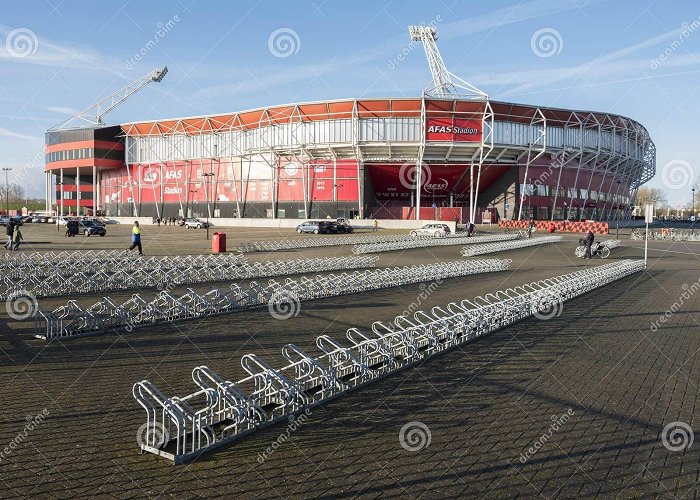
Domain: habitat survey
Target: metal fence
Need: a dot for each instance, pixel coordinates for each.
(219, 410)
(72, 319)
(473, 250)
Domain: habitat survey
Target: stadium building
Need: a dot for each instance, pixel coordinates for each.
(451, 154)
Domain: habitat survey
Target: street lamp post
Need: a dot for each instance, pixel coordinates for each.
(7, 192)
(206, 176)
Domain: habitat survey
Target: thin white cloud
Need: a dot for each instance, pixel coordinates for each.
(272, 77)
(14, 135)
(611, 62)
(64, 110)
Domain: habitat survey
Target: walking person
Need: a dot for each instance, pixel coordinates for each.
(16, 238)
(9, 230)
(136, 238)
(588, 241)
(375, 226)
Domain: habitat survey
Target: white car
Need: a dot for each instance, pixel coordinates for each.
(435, 230)
(195, 223)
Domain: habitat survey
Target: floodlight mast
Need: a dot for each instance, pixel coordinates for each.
(93, 116)
(444, 83)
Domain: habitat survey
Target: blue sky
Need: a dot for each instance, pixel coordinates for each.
(58, 56)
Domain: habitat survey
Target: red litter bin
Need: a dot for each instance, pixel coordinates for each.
(218, 243)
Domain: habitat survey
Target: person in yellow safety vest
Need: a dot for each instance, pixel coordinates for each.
(136, 238)
(375, 225)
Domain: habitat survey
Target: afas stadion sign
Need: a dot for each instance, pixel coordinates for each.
(453, 130)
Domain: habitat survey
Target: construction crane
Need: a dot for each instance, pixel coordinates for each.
(93, 116)
(444, 83)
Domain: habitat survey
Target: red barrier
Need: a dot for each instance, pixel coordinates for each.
(560, 225)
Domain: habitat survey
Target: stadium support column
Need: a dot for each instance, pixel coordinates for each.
(360, 189)
(95, 199)
(61, 212)
(534, 150)
(47, 191)
(77, 190)
(419, 161)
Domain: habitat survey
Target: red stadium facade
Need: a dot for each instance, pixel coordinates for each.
(420, 158)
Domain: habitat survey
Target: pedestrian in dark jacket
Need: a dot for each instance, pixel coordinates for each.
(16, 238)
(588, 241)
(9, 231)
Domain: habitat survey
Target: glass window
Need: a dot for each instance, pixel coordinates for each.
(281, 213)
(300, 214)
(584, 193)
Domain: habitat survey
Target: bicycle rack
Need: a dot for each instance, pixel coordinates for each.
(430, 242)
(226, 411)
(52, 278)
(297, 243)
(473, 250)
(166, 308)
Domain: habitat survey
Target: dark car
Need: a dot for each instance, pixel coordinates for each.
(89, 228)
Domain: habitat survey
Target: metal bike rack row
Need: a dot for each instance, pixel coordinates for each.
(430, 242)
(611, 243)
(473, 250)
(72, 320)
(164, 273)
(322, 241)
(44, 263)
(220, 411)
(671, 234)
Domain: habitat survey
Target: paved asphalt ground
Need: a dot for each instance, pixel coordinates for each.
(614, 382)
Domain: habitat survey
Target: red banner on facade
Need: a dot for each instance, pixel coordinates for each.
(453, 130)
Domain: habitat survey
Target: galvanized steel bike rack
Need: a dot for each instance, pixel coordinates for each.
(52, 278)
(430, 242)
(321, 241)
(473, 250)
(72, 320)
(221, 411)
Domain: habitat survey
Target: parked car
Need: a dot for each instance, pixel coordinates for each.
(341, 227)
(312, 226)
(436, 230)
(89, 228)
(195, 223)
